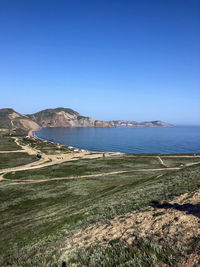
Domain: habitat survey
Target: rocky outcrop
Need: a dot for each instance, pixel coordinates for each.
(104, 124)
(61, 117)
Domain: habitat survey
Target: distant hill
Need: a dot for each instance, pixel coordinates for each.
(10, 119)
(122, 123)
(63, 117)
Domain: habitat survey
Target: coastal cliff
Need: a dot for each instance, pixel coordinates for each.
(63, 117)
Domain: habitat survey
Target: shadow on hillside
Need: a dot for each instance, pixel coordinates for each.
(189, 208)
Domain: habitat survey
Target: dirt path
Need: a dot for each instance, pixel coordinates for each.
(15, 182)
(181, 156)
(48, 160)
(26, 148)
(51, 160)
(166, 156)
(11, 151)
(23, 149)
(32, 151)
(161, 161)
(82, 176)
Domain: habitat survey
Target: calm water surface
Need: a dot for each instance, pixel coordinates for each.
(127, 140)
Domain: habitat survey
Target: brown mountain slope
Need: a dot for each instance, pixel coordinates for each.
(63, 117)
(10, 119)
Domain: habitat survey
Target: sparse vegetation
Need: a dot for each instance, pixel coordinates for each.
(143, 252)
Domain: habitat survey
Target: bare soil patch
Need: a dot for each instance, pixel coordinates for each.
(177, 221)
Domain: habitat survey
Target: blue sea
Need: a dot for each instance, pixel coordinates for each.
(180, 139)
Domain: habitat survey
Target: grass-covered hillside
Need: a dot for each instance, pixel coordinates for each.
(8, 160)
(41, 210)
(8, 144)
(11, 154)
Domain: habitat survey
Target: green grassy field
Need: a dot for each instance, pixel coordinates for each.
(8, 144)
(37, 217)
(8, 160)
(89, 167)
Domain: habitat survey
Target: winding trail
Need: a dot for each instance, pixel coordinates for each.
(161, 161)
(16, 182)
(48, 160)
(84, 176)
(11, 151)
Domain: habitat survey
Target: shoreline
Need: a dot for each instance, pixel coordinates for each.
(31, 134)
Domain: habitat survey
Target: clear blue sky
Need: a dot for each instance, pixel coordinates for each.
(108, 59)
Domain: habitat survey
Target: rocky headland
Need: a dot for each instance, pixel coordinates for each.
(63, 117)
